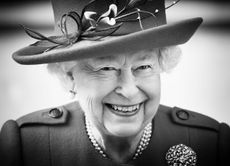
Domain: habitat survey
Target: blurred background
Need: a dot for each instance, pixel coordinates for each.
(201, 82)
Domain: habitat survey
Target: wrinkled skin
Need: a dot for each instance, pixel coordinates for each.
(123, 80)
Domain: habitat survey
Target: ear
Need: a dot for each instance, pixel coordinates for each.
(64, 74)
(71, 84)
(69, 81)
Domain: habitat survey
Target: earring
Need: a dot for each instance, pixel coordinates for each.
(72, 91)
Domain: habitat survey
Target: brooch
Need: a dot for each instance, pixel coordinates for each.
(181, 155)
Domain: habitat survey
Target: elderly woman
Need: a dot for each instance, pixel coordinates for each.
(110, 55)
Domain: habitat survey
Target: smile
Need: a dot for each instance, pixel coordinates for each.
(124, 110)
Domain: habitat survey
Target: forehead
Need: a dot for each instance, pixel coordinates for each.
(146, 55)
(133, 57)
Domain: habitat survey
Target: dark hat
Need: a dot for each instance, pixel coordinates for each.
(85, 29)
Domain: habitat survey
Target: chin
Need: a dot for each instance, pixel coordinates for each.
(124, 129)
(124, 124)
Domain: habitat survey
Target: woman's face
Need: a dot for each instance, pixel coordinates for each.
(119, 94)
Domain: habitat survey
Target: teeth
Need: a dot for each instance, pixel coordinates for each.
(126, 109)
(130, 109)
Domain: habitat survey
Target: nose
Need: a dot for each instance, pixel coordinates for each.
(127, 86)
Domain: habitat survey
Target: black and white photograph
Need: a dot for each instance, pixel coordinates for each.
(114, 83)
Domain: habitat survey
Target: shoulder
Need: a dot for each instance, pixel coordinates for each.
(51, 116)
(48, 116)
(33, 133)
(184, 117)
(59, 115)
(196, 124)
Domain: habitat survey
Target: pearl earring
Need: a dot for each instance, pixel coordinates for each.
(72, 91)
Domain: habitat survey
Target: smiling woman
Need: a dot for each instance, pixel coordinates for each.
(110, 55)
(119, 94)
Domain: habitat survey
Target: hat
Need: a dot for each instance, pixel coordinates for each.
(85, 29)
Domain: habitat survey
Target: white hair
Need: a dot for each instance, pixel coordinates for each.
(168, 58)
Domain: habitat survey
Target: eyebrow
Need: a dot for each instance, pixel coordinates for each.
(107, 58)
(145, 56)
(101, 60)
(142, 56)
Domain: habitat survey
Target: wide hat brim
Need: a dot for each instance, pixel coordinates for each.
(157, 37)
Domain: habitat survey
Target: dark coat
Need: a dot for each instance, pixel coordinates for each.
(57, 137)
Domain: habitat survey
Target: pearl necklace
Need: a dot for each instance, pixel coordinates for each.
(140, 148)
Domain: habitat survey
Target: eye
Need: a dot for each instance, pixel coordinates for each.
(144, 67)
(107, 68)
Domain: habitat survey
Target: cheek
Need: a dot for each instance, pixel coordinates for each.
(152, 88)
(90, 93)
(91, 105)
(94, 83)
